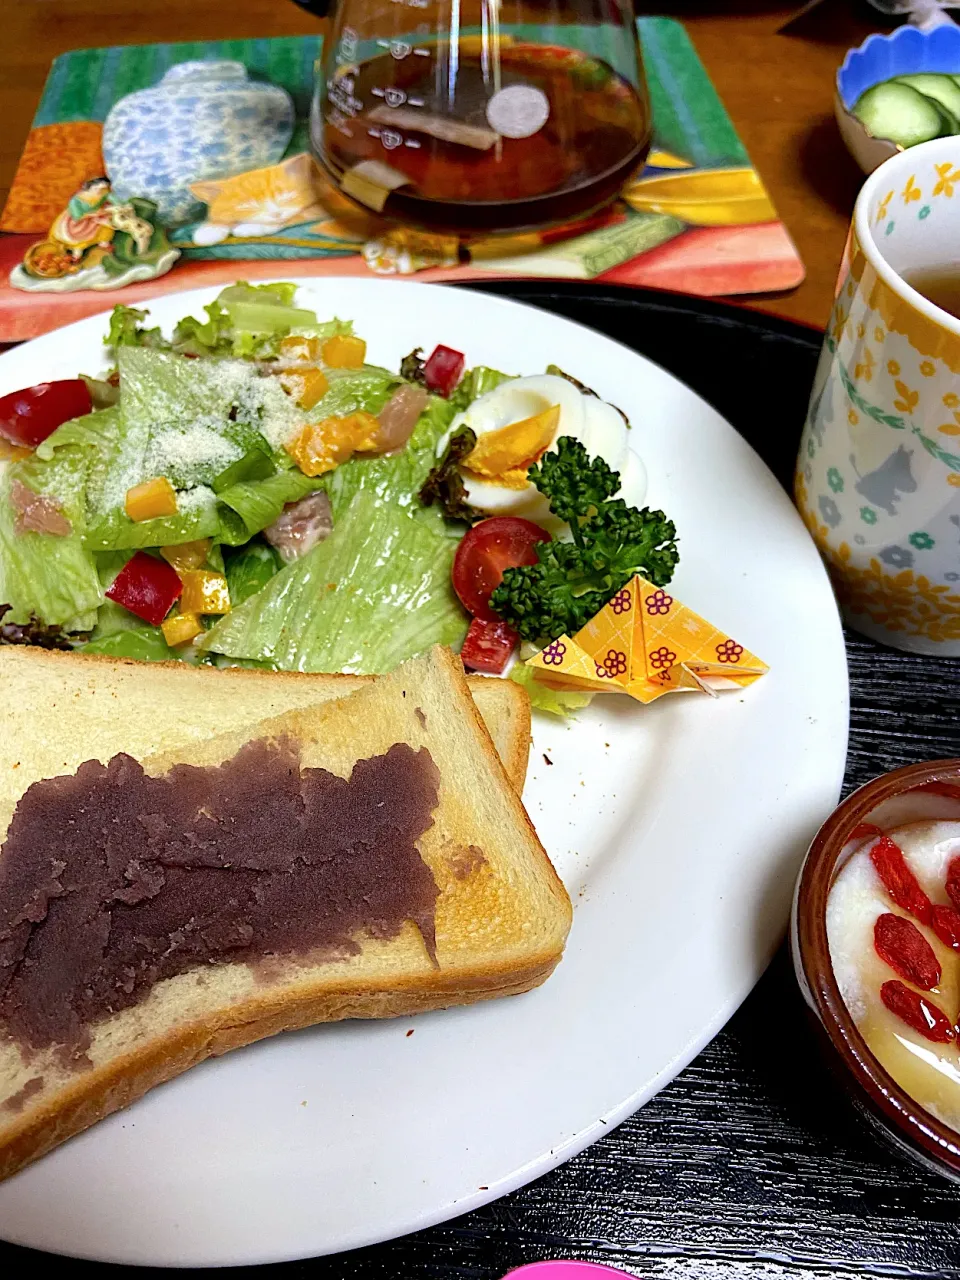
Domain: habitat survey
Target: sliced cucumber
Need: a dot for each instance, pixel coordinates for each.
(899, 112)
(951, 124)
(942, 89)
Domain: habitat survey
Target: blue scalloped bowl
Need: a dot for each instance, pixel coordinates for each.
(903, 52)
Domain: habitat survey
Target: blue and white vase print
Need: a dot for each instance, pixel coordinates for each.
(203, 120)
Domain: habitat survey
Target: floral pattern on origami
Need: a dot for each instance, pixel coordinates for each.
(729, 651)
(615, 663)
(659, 602)
(553, 653)
(621, 601)
(662, 657)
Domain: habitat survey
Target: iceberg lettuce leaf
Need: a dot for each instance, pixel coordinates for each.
(375, 592)
(250, 506)
(555, 702)
(42, 575)
(395, 478)
(249, 569)
(243, 320)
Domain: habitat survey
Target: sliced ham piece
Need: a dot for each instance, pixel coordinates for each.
(37, 513)
(399, 416)
(300, 526)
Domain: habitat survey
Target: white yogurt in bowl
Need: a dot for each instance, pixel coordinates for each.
(893, 931)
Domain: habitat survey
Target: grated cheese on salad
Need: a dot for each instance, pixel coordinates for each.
(262, 401)
(182, 452)
(196, 500)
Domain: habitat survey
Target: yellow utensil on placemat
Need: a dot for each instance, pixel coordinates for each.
(703, 197)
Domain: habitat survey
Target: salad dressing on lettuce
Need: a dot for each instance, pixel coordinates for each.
(261, 435)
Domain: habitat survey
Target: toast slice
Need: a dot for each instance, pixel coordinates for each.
(165, 704)
(498, 926)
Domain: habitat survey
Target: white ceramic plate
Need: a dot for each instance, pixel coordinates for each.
(678, 829)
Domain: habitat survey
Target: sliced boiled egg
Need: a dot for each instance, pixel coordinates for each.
(519, 421)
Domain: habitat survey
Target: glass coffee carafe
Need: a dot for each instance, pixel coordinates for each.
(480, 116)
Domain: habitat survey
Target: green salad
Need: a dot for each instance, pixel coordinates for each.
(250, 491)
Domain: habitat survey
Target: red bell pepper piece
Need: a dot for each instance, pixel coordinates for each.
(27, 417)
(443, 370)
(147, 587)
(488, 646)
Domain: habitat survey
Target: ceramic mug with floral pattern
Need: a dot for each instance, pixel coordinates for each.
(878, 476)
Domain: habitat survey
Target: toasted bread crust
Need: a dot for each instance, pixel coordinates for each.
(99, 1092)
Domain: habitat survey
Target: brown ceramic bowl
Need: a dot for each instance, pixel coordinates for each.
(911, 1129)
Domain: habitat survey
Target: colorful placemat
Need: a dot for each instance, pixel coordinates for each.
(107, 204)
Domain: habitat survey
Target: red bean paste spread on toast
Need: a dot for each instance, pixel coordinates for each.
(112, 880)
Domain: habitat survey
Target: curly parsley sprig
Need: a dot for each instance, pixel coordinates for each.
(612, 542)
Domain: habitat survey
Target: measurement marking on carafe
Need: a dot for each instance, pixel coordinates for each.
(399, 49)
(391, 139)
(347, 49)
(394, 97)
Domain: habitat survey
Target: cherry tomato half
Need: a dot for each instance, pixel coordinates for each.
(27, 417)
(503, 542)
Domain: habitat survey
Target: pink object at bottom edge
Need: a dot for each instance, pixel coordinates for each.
(563, 1271)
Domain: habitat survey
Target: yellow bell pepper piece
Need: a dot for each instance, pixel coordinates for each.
(151, 499)
(188, 555)
(298, 346)
(307, 387)
(515, 446)
(321, 446)
(343, 352)
(12, 452)
(181, 628)
(364, 430)
(204, 592)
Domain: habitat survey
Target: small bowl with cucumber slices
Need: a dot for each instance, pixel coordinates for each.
(897, 91)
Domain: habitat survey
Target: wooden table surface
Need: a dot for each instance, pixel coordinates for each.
(778, 89)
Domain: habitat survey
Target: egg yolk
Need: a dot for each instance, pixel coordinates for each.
(504, 455)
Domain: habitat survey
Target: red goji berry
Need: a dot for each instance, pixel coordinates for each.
(917, 1012)
(902, 946)
(953, 882)
(945, 923)
(899, 881)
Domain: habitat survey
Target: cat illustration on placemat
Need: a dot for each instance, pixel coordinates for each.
(258, 203)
